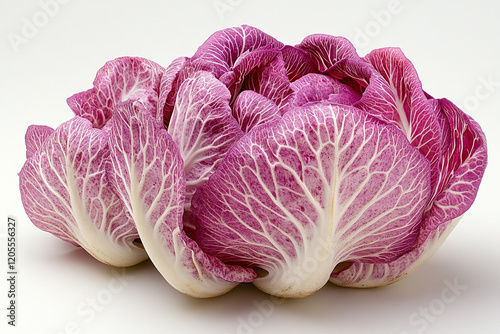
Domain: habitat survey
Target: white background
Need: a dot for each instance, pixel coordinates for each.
(453, 44)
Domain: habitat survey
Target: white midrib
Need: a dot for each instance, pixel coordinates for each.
(167, 263)
(95, 240)
(89, 237)
(332, 211)
(403, 119)
(332, 219)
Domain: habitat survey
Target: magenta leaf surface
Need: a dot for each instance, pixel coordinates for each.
(221, 50)
(168, 89)
(203, 128)
(65, 191)
(117, 81)
(416, 115)
(327, 184)
(314, 87)
(147, 172)
(34, 138)
(461, 170)
(252, 109)
(327, 50)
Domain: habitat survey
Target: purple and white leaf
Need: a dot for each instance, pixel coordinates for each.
(204, 130)
(147, 172)
(118, 80)
(325, 185)
(251, 109)
(222, 49)
(298, 63)
(168, 89)
(65, 191)
(461, 170)
(328, 50)
(417, 117)
(315, 87)
(35, 137)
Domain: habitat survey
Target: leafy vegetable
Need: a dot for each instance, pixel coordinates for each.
(337, 187)
(65, 191)
(117, 81)
(147, 173)
(255, 161)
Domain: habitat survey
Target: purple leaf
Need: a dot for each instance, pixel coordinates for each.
(417, 118)
(35, 136)
(245, 64)
(65, 191)
(327, 50)
(461, 170)
(324, 185)
(271, 81)
(221, 50)
(147, 173)
(168, 89)
(462, 164)
(117, 81)
(314, 87)
(203, 129)
(251, 109)
(377, 98)
(297, 62)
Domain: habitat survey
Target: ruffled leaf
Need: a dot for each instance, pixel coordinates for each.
(117, 81)
(324, 185)
(314, 87)
(252, 109)
(220, 51)
(417, 118)
(327, 50)
(34, 138)
(462, 168)
(147, 173)
(168, 88)
(203, 129)
(65, 191)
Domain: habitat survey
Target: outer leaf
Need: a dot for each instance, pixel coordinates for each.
(35, 136)
(147, 172)
(324, 185)
(418, 119)
(464, 156)
(117, 81)
(65, 191)
(462, 168)
(204, 130)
